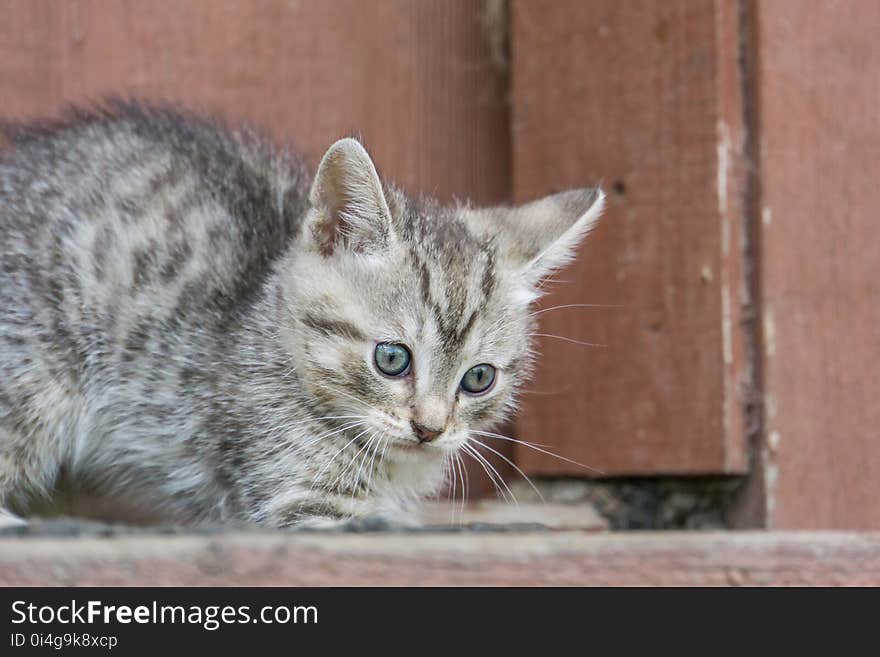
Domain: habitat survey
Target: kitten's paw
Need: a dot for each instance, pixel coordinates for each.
(368, 523)
(321, 522)
(9, 520)
(379, 522)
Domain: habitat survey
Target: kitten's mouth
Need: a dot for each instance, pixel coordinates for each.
(409, 446)
(413, 449)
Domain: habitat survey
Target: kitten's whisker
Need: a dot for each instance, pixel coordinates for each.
(388, 441)
(512, 464)
(295, 447)
(454, 466)
(371, 470)
(327, 434)
(366, 451)
(339, 391)
(321, 437)
(361, 450)
(338, 417)
(317, 477)
(343, 427)
(498, 489)
(538, 448)
(572, 340)
(449, 473)
(466, 479)
(571, 305)
(489, 434)
(462, 473)
(371, 464)
(544, 282)
(465, 448)
(486, 462)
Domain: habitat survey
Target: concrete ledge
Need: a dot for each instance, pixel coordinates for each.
(433, 558)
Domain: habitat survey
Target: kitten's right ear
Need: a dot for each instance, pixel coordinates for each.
(349, 209)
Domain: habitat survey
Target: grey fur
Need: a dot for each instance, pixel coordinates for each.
(187, 319)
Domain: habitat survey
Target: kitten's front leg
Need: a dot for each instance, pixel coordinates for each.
(309, 511)
(9, 520)
(338, 512)
(371, 522)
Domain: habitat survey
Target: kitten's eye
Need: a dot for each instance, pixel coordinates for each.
(392, 359)
(478, 379)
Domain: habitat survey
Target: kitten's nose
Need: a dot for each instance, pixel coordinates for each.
(424, 434)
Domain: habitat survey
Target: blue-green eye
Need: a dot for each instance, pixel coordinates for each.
(392, 359)
(478, 379)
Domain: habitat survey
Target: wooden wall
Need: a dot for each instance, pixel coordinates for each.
(736, 269)
(740, 145)
(414, 79)
(816, 80)
(645, 95)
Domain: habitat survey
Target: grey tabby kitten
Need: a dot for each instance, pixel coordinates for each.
(191, 322)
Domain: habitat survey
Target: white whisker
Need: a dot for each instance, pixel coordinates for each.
(462, 473)
(450, 474)
(512, 464)
(469, 452)
(570, 305)
(362, 450)
(370, 467)
(572, 340)
(317, 477)
(537, 447)
(485, 462)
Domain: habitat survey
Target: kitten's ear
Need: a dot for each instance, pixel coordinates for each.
(543, 235)
(348, 205)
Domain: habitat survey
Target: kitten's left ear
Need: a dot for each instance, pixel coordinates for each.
(348, 205)
(543, 235)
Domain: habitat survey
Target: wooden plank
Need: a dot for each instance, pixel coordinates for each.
(818, 89)
(415, 80)
(554, 558)
(647, 97)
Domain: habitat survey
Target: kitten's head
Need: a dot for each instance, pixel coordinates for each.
(413, 319)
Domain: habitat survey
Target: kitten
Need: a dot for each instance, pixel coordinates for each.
(188, 320)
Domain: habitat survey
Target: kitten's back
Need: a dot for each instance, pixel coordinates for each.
(129, 238)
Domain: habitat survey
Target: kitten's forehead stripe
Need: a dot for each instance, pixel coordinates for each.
(488, 283)
(334, 327)
(455, 271)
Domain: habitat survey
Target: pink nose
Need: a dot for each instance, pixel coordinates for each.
(424, 434)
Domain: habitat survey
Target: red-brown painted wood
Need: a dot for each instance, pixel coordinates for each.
(646, 97)
(817, 93)
(415, 80)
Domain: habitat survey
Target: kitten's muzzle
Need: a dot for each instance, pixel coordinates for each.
(423, 433)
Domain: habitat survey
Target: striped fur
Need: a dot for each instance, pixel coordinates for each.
(188, 319)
